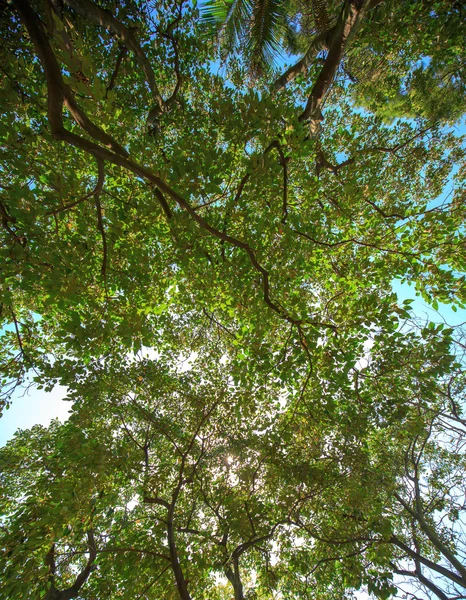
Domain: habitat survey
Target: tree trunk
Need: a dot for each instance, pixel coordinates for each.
(235, 579)
(181, 583)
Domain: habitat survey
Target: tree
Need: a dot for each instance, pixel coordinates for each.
(186, 488)
(154, 200)
(424, 519)
(169, 481)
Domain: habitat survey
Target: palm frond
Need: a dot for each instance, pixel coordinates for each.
(231, 17)
(253, 27)
(265, 34)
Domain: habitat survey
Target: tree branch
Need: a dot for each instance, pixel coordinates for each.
(97, 190)
(136, 550)
(59, 93)
(159, 501)
(428, 563)
(72, 591)
(345, 28)
(91, 128)
(56, 98)
(320, 42)
(7, 218)
(81, 579)
(417, 575)
(120, 57)
(18, 335)
(234, 577)
(100, 223)
(433, 537)
(50, 562)
(104, 18)
(284, 163)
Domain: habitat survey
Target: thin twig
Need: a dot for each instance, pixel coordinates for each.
(121, 55)
(100, 223)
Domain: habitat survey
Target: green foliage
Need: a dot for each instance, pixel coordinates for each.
(423, 78)
(208, 270)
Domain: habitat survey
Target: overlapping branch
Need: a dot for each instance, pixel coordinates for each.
(170, 506)
(335, 41)
(346, 27)
(417, 574)
(121, 55)
(284, 163)
(59, 94)
(104, 18)
(320, 42)
(6, 219)
(441, 570)
(81, 578)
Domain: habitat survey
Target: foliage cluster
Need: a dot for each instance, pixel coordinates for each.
(200, 241)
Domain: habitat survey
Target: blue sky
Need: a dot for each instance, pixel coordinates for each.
(32, 408)
(444, 314)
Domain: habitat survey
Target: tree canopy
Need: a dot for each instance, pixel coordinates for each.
(203, 211)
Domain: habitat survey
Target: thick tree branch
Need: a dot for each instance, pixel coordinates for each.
(234, 577)
(53, 77)
(89, 127)
(320, 42)
(417, 575)
(58, 93)
(73, 591)
(83, 576)
(56, 99)
(433, 537)
(345, 28)
(322, 162)
(430, 585)
(159, 501)
(50, 562)
(6, 218)
(428, 563)
(180, 579)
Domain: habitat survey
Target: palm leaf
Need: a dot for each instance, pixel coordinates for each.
(232, 17)
(253, 26)
(266, 31)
